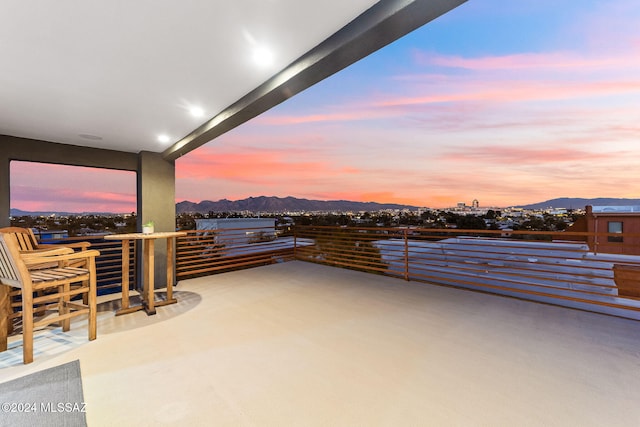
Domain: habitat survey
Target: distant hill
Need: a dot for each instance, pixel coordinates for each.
(578, 203)
(292, 204)
(284, 204)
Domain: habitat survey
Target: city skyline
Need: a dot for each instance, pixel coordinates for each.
(508, 103)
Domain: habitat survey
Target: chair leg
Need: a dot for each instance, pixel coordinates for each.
(27, 326)
(10, 310)
(93, 308)
(5, 310)
(60, 304)
(64, 308)
(85, 297)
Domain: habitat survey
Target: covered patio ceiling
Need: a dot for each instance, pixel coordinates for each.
(118, 75)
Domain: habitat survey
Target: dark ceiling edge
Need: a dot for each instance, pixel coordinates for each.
(34, 150)
(383, 23)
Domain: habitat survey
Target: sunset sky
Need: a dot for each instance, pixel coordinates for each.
(505, 102)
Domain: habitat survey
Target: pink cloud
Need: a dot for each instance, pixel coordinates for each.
(71, 188)
(522, 155)
(314, 118)
(518, 78)
(528, 61)
(70, 200)
(504, 129)
(510, 92)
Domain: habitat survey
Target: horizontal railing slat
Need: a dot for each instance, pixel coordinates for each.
(558, 268)
(526, 264)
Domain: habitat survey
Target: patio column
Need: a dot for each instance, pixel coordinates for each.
(157, 203)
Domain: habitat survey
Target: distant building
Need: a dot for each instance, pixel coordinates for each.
(475, 204)
(614, 220)
(239, 231)
(556, 211)
(46, 235)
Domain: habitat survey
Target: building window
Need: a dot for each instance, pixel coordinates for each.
(614, 227)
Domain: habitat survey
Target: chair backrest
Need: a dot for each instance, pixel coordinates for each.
(12, 270)
(24, 236)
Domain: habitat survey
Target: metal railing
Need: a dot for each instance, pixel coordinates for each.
(108, 264)
(204, 252)
(558, 268)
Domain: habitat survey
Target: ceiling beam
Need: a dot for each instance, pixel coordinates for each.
(383, 23)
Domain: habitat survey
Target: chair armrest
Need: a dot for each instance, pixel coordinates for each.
(75, 245)
(46, 252)
(41, 257)
(81, 245)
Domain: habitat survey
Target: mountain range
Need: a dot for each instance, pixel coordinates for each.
(578, 203)
(292, 204)
(284, 204)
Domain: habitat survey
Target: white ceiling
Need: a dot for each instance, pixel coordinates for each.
(116, 74)
(126, 71)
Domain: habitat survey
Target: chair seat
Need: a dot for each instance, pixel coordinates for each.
(53, 274)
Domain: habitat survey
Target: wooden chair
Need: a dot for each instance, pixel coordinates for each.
(56, 282)
(27, 242)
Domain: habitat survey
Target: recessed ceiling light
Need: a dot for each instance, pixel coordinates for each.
(263, 57)
(164, 138)
(196, 111)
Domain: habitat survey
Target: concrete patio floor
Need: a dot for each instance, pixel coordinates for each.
(300, 344)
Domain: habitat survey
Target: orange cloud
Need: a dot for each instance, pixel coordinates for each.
(261, 166)
(245, 166)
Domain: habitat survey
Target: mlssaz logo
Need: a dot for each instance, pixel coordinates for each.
(63, 407)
